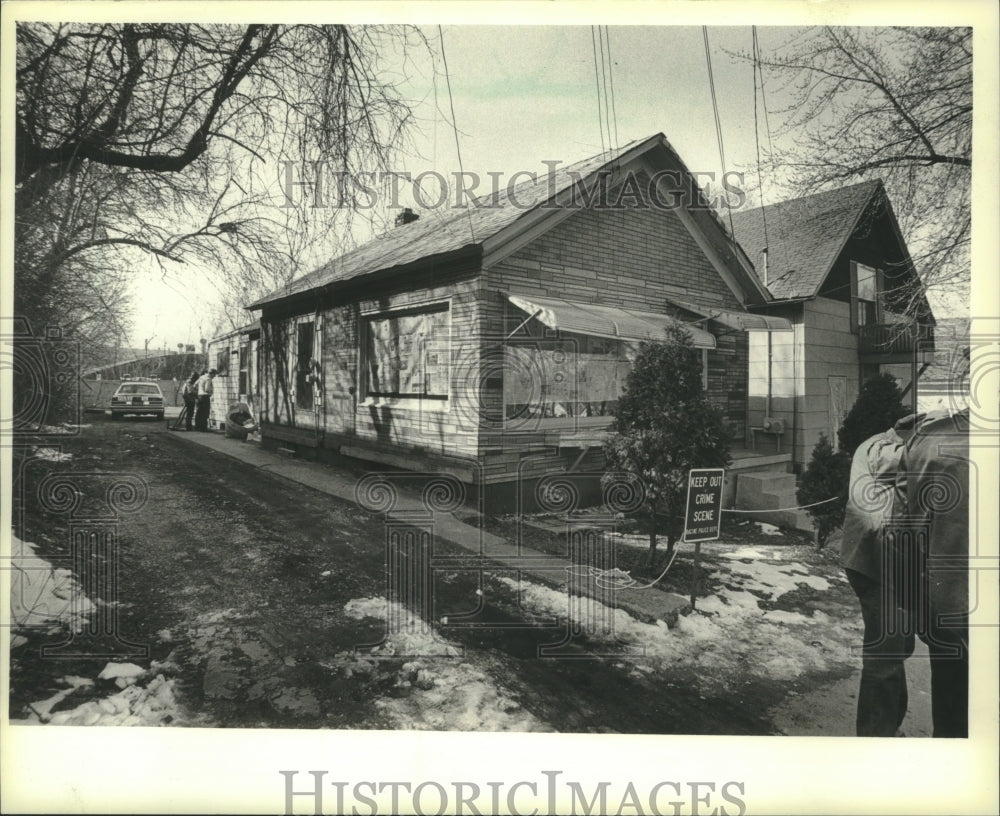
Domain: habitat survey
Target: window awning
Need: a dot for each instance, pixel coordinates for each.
(605, 321)
(741, 321)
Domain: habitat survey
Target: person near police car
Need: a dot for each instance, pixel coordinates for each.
(189, 393)
(204, 403)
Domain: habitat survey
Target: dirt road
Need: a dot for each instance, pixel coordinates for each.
(261, 603)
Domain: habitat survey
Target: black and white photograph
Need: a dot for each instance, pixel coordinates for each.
(500, 408)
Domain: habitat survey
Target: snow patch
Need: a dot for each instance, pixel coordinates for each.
(773, 579)
(408, 634)
(152, 705)
(727, 635)
(50, 454)
(41, 595)
(744, 553)
(435, 691)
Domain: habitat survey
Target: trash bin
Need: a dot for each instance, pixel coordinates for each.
(239, 421)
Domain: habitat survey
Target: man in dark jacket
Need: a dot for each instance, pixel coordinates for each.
(932, 527)
(888, 640)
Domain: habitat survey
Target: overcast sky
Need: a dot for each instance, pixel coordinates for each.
(526, 94)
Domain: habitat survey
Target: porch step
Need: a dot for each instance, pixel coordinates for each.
(754, 484)
(771, 492)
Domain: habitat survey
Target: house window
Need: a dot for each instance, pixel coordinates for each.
(244, 378)
(222, 363)
(572, 376)
(406, 353)
(304, 389)
(866, 297)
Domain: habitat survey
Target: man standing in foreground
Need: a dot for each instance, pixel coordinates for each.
(932, 527)
(888, 640)
(204, 400)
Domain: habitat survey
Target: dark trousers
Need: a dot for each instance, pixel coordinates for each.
(948, 646)
(888, 641)
(201, 414)
(949, 651)
(189, 409)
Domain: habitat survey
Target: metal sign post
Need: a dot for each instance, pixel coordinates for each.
(702, 513)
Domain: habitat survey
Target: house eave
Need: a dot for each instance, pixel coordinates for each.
(427, 263)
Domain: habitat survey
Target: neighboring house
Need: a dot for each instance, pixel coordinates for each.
(944, 380)
(838, 268)
(234, 356)
(492, 342)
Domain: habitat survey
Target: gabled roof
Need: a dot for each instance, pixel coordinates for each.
(804, 236)
(447, 232)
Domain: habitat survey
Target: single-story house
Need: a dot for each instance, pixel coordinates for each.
(492, 342)
(836, 266)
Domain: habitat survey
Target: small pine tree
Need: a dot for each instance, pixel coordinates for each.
(878, 406)
(664, 425)
(826, 477)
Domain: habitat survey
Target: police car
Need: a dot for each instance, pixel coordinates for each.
(138, 395)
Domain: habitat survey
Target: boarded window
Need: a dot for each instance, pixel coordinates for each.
(304, 389)
(407, 353)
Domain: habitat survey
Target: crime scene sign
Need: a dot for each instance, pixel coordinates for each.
(703, 515)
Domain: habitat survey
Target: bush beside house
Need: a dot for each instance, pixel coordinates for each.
(665, 425)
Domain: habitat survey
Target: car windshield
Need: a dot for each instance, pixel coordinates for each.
(139, 388)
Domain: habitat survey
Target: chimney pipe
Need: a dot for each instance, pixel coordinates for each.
(407, 216)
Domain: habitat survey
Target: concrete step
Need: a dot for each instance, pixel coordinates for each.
(767, 491)
(751, 485)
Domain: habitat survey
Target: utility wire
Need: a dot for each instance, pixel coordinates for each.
(604, 79)
(756, 137)
(597, 79)
(454, 126)
(718, 123)
(763, 99)
(611, 77)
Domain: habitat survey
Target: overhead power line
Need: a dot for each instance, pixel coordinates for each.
(756, 136)
(454, 126)
(611, 78)
(718, 123)
(597, 79)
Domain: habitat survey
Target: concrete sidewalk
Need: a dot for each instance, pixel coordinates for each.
(647, 605)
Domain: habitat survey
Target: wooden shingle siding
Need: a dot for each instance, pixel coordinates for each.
(633, 259)
(404, 424)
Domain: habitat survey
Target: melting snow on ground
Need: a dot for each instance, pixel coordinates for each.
(150, 705)
(42, 596)
(729, 633)
(46, 598)
(50, 454)
(439, 690)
